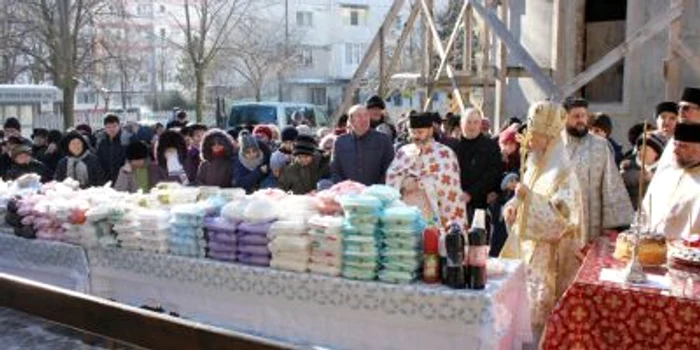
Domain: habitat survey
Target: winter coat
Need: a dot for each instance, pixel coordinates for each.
(363, 159)
(300, 179)
(481, 168)
(216, 171)
(33, 167)
(96, 176)
(126, 181)
(112, 155)
(250, 180)
(193, 162)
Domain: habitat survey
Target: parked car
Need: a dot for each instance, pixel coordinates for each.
(278, 113)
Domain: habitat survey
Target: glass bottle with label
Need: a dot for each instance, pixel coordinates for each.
(478, 251)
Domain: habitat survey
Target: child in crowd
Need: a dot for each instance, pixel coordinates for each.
(302, 176)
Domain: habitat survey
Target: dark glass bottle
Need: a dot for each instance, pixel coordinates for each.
(454, 269)
(478, 252)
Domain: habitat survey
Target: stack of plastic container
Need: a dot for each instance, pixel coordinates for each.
(251, 241)
(401, 256)
(154, 226)
(326, 245)
(186, 231)
(128, 231)
(290, 244)
(361, 237)
(221, 238)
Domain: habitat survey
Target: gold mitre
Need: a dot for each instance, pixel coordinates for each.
(546, 118)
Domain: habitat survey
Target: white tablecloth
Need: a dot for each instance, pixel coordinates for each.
(59, 264)
(315, 310)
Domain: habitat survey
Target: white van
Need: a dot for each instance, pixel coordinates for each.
(278, 113)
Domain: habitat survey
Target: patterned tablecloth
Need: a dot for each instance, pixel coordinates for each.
(309, 309)
(605, 315)
(54, 263)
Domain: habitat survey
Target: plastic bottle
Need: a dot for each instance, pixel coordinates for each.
(478, 251)
(454, 270)
(431, 260)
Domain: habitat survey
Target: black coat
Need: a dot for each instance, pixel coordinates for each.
(96, 176)
(481, 168)
(112, 155)
(33, 167)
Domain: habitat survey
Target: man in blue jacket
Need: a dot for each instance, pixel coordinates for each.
(363, 155)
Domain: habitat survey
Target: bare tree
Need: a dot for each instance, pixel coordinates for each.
(59, 36)
(259, 53)
(206, 25)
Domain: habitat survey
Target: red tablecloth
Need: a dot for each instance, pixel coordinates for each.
(606, 315)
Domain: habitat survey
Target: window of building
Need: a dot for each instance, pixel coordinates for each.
(317, 96)
(306, 57)
(305, 19)
(353, 53)
(355, 16)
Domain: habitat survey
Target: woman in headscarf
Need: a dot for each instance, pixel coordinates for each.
(79, 163)
(250, 167)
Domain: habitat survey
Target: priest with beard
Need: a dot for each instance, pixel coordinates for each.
(545, 217)
(426, 173)
(606, 204)
(672, 203)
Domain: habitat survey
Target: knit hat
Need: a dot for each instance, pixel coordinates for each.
(261, 130)
(305, 145)
(289, 133)
(603, 122)
(136, 150)
(375, 102)
(667, 106)
(20, 150)
(278, 160)
(508, 135)
(12, 123)
(690, 94)
(246, 141)
(654, 141)
(507, 179)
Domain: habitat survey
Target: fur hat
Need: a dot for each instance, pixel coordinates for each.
(289, 133)
(263, 130)
(136, 150)
(305, 145)
(375, 102)
(216, 135)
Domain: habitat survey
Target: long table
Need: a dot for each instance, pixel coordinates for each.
(299, 308)
(596, 314)
(54, 263)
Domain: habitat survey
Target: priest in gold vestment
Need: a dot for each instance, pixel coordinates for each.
(545, 217)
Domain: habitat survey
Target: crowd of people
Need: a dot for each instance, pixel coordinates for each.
(551, 183)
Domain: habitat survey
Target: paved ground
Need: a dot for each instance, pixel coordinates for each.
(20, 331)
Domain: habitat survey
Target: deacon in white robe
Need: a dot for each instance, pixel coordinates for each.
(672, 204)
(606, 204)
(545, 216)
